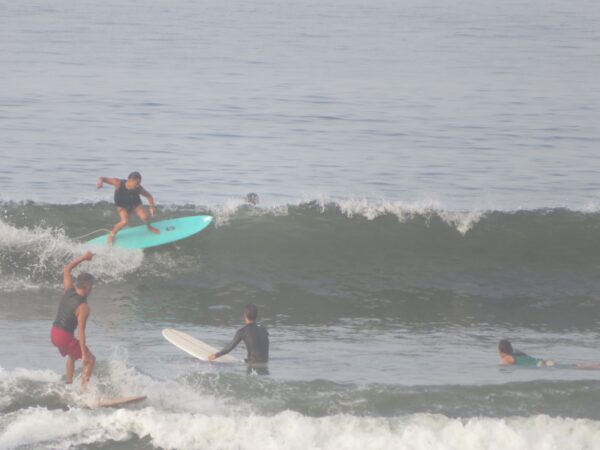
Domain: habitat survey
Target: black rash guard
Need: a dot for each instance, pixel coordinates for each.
(129, 199)
(66, 318)
(256, 338)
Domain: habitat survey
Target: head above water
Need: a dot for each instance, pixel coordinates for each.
(252, 198)
(84, 283)
(250, 312)
(505, 347)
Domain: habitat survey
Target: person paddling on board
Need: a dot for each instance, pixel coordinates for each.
(73, 313)
(127, 199)
(508, 356)
(255, 336)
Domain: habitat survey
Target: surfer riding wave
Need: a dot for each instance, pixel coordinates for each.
(127, 200)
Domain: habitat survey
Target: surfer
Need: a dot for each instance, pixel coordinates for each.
(255, 336)
(73, 312)
(127, 199)
(508, 356)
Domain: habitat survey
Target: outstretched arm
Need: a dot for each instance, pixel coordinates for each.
(114, 181)
(233, 344)
(150, 199)
(67, 277)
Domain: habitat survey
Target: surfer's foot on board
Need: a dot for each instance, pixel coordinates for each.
(153, 229)
(111, 238)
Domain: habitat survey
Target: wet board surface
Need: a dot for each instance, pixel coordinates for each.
(171, 230)
(121, 401)
(193, 346)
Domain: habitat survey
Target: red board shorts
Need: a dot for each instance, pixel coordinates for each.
(66, 343)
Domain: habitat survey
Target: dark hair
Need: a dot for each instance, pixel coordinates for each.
(135, 176)
(251, 312)
(84, 280)
(505, 347)
(252, 198)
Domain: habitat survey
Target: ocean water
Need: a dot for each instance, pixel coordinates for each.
(428, 182)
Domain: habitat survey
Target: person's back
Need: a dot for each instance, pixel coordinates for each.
(523, 359)
(256, 338)
(65, 317)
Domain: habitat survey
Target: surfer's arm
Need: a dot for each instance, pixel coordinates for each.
(233, 344)
(82, 313)
(507, 359)
(150, 199)
(113, 181)
(67, 277)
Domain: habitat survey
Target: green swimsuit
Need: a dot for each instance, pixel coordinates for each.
(526, 360)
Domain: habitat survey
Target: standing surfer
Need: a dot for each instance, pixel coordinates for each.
(73, 313)
(127, 199)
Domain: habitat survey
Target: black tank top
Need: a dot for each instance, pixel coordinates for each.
(127, 198)
(66, 318)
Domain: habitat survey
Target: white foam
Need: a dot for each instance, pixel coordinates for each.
(46, 250)
(461, 221)
(38, 427)
(10, 381)
(351, 207)
(10, 376)
(225, 212)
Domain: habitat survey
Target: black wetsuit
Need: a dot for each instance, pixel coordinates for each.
(128, 199)
(256, 338)
(66, 318)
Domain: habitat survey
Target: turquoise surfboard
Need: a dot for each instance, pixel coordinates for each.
(171, 230)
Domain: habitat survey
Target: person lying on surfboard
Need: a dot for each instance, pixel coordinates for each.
(256, 338)
(509, 356)
(73, 313)
(127, 199)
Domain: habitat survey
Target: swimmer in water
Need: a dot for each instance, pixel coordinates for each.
(127, 200)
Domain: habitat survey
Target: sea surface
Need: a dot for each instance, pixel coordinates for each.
(428, 175)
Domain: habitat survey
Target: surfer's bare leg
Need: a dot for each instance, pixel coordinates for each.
(143, 215)
(124, 215)
(70, 369)
(88, 367)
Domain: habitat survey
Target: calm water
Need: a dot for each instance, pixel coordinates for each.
(474, 104)
(428, 175)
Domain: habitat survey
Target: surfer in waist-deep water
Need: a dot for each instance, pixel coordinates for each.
(72, 314)
(127, 199)
(509, 356)
(255, 336)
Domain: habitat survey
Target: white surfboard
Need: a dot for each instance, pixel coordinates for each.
(193, 346)
(118, 402)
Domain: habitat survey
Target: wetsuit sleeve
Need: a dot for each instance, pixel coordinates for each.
(233, 344)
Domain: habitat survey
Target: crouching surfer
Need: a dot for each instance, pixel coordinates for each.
(127, 200)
